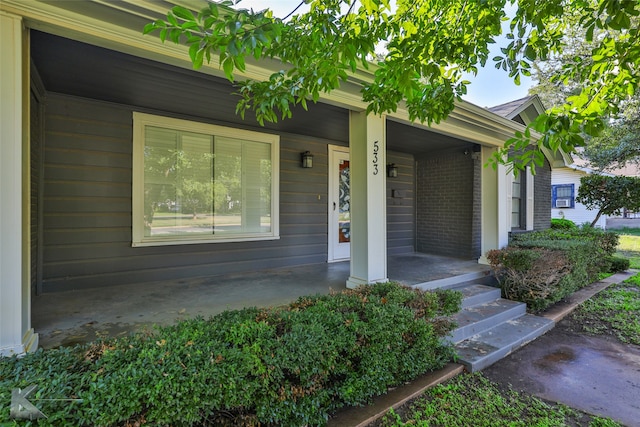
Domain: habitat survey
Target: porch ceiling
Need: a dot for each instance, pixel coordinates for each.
(74, 68)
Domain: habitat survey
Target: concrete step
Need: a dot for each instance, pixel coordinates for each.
(475, 294)
(486, 348)
(480, 277)
(489, 327)
(481, 317)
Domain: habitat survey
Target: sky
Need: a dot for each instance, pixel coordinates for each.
(490, 87)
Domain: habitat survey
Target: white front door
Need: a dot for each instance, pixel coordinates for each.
(339, 204)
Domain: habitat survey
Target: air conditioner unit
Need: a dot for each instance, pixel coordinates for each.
(563, 203)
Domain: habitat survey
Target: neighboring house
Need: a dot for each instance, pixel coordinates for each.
(565, 183)
(119, 165)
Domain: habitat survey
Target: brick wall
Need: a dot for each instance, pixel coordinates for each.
(448, 214)
(542, 197)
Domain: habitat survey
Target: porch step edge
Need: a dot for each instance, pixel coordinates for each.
(448, 282)
(476, 294)
(484, 349)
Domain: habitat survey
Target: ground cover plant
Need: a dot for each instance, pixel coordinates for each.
(615, 312)
(286, 366)
(473, 400)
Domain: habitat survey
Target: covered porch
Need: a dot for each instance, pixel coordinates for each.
(71, 317)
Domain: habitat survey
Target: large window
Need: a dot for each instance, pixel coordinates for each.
(196, 183)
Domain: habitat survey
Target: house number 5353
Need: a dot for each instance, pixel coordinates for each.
(376, 147)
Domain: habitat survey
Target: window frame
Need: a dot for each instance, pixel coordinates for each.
(140, 122)
(554, 196)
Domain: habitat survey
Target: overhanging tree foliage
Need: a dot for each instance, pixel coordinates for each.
(619, 142)
(609, 194)
(429, 44)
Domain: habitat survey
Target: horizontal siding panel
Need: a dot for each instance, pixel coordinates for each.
(61, 127)
(97, 174)
(399, 226)
(295, 229)
(87, 204)
(94, 267)
(317, 208)
(87, 235)
(400, 250)
(87, 221)
(76, 142)
(400, 234)
(66, 252)
(87, 189)
(172, 273)
(294, 176)
(298, 218)
(87, 158)
(300, 197)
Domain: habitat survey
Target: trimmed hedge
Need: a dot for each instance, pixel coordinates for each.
(543, 267)
(563, 224)
(287, 366)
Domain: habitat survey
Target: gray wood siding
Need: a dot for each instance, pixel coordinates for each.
(401, 209)
(87, 205)
(35, 162)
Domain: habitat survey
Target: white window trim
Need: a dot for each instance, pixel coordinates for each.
(140, 121)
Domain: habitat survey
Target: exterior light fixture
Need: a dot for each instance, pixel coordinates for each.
(307, 159)
(392, 170)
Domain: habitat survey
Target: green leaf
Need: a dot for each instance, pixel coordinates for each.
(227, 66)
(182, 12)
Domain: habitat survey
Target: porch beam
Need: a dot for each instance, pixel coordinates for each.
(367, 146)
(16, 335)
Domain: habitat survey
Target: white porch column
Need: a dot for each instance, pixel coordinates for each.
(16, 335)
(495, 213)
(367, 144)
(530, 198)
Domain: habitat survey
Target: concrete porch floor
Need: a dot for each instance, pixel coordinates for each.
(67, 318)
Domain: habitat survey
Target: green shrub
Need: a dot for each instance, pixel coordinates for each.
(288, 367)
(618, 264)
(542, 267)
(563, 224)
(536, 276)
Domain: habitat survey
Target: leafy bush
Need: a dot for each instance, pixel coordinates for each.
(533, 276)
(288, 366)
(617, 264)
(563, 224)
(541, 268)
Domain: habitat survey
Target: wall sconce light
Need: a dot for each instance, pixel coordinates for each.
(307, 159)
(392, 170)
